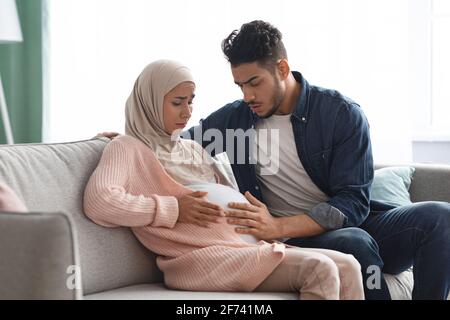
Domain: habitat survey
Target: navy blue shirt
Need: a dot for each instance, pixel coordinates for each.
(333, 143)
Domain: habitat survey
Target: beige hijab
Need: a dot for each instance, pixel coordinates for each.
(184, 160)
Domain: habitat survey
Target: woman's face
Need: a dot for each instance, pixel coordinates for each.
(178, 106)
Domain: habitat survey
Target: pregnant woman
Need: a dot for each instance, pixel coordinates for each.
(165, 189)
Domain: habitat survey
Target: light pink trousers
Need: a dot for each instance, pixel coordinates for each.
(317, 274)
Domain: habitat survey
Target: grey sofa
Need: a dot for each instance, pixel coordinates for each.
(55, 252)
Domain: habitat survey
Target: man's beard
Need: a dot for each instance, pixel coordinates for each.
(277, 98)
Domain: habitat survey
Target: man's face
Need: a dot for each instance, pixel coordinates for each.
(263, 91)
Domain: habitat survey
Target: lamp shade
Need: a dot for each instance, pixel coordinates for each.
(9, 22)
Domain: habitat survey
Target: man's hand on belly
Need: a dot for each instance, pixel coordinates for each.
(254, 218)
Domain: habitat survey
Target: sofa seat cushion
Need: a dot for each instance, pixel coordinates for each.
(158, 291)
(400, 287)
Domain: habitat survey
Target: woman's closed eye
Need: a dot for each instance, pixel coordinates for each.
(179, 103)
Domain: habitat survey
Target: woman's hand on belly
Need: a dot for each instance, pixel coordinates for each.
(194, 208)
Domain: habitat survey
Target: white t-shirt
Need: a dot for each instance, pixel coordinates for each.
(222, 195)
(286, 187)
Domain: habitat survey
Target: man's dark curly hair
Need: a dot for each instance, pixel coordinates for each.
(256, 41)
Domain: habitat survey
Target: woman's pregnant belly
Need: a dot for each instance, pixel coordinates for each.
(222, 195)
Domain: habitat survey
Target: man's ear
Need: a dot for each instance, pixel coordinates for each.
(283, 69)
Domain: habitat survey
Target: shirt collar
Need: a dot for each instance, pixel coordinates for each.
(301, 109)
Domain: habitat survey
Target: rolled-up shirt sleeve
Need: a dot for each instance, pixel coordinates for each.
(327, 216)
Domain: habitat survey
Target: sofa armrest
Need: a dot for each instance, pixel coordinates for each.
(39, 257)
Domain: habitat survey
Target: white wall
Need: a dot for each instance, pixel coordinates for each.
(98, 47)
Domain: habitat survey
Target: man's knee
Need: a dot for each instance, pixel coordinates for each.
(441, 210)
(433, 215)
(361, 245)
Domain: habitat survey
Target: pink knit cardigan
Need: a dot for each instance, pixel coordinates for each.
(130, 188)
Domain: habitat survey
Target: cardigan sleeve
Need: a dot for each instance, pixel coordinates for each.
(107, 202)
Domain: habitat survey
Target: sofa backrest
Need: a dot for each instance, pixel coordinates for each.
(52, 178)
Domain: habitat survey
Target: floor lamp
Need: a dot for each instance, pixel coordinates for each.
(10, 32)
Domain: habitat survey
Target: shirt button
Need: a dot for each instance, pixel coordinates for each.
(256, 188)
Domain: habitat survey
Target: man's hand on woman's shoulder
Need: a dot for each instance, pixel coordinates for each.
(109, 135)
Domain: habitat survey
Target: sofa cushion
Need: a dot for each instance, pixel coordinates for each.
(391, 185)
(52, 178)
(400, 285)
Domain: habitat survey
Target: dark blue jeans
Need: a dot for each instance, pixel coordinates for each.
(416, 235)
